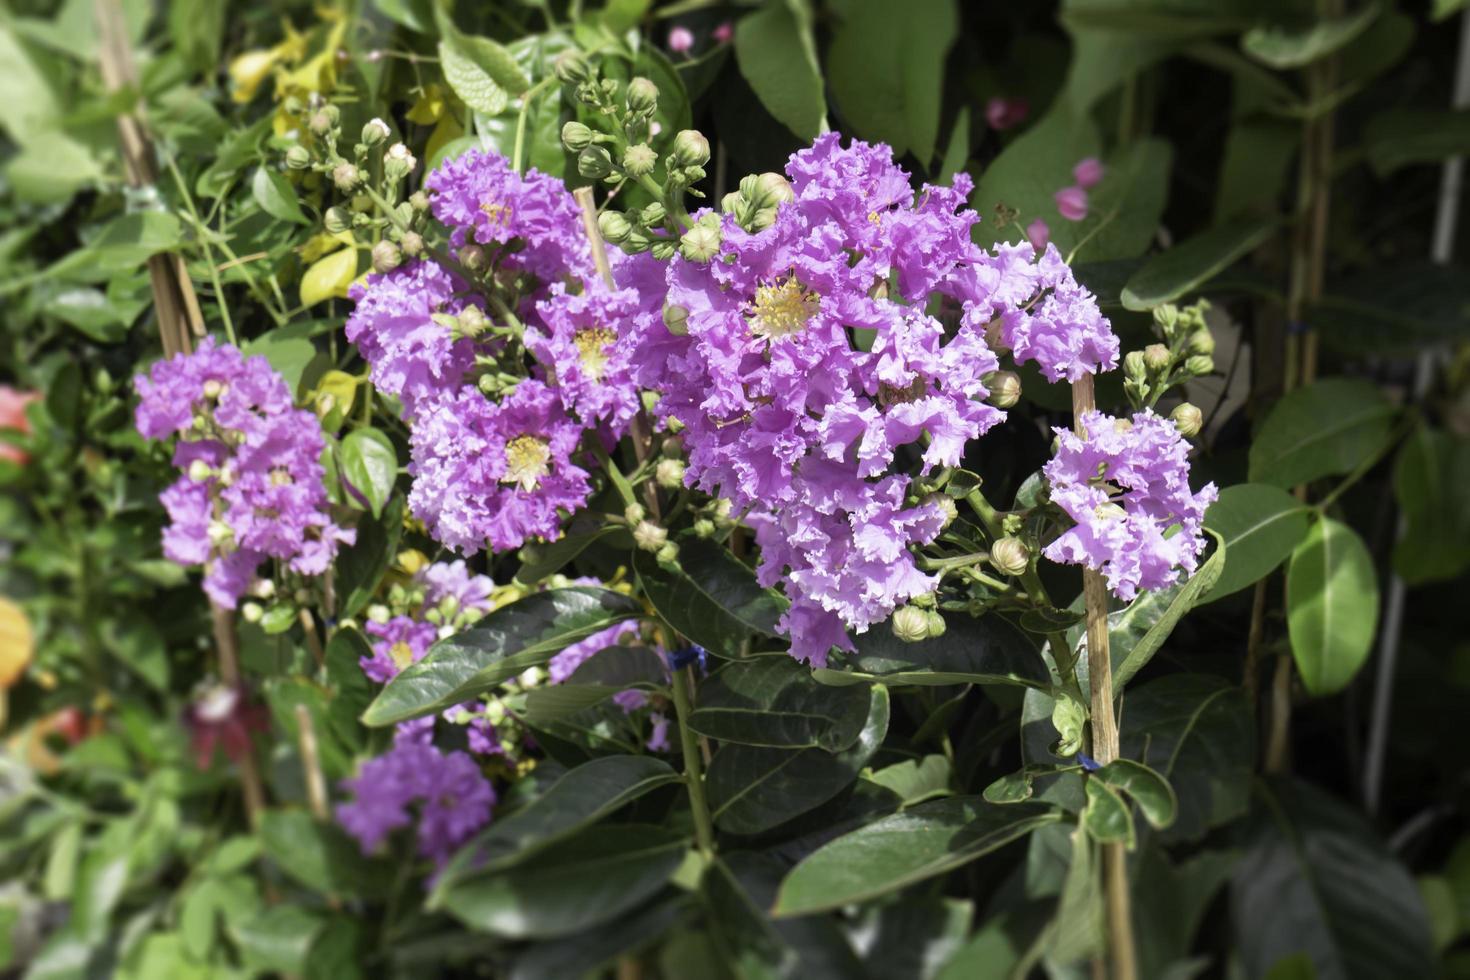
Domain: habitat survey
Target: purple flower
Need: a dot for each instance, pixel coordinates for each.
(1088, 172)
(453, 580)
(681, 39)
(1126, 485)
(583, 341)
(1002, 113)
(497, 473)
(1071, 203)
(1038, 234)
(399, 642)
(565, 663)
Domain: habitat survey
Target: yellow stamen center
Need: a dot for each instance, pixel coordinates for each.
(592, 346)
(401, 653)
(499, 214)
(525, 462)
(783, 309)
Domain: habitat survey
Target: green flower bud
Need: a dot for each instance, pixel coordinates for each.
(614, 227)
(946, 505)
(419, 201)
(910, 624)
(642, 96)
(668, 554)
(653, 215)
(375, 131)
(576, 136)
(1199, 364)
(639, 160)
(1166, 316)
(731, 201)
(1188, 419)
(378, 613)
(700, 243)
(762, 219)
(691, 149)
(572, 68)
(995, 338)
(594, 163)
(346, 177)
(1010, 556)
(471, 322)
(199, 471)
(1202, 342)
(675, 318)
(472, 257)
(774, 189)
(1135, 368)
(662, 249)
(360, 204)
(398, 162)
(669, 474)
(704, 527)
(634, 513)
(1005, 389)
(321, 122)
(298, 157)
(649, 536)
(937, 625)
(1156, 358)
(251, 612)
(337, 220)
(413, 244)
(386, 257)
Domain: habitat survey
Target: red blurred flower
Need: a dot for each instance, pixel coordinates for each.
(1002, 113)
(13, 416)
(222, 716)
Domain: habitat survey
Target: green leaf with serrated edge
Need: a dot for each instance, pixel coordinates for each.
(916, 780)
(773, 701)
(1260, 525)
(1152, 792)
(276, 196)
(777, 56)
(1282, 47)
(588, 879)
(1329, 427)
(578, 799)
(361, 567)
(526, 633)
(1106, 817)
(752, 790)
(370, 465)
(1181, 270)
(1331, 606)
(900, 850)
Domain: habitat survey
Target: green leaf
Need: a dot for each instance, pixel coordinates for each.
(361, 567)
(1331, 606)
(526, 633)
(577, 800)
(548, 705)
(1077, 931)
(1197, 732)
(1260, 525)
(1397, 308)
(1128, 205)
(51, 167)
(276, 196)
(597, 948)
(1183, 269)
(287, 354)
(490, 57)
(621, 667)
(123, 245)
(587, 880)
(318, 855)
(778, 57)
(902, 849)
(470, 82)
(329, 277)
(279, 939)
(1156, 614)
(370, 464)
(1408, 136)
(1431, 479)
(752, 790)
(887, 72)
(715, 601)
(1106, 818)
(1152, 792)
(1284, 47)
(916, 780)
(988, 650)
(773, 701)
(1316, 880)
(542, 560)
(1329, 427)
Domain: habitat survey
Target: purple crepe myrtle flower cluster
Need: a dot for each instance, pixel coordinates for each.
(499, 471)
(252, 485)
(1126, 485)
(797, 425)
(446, 597)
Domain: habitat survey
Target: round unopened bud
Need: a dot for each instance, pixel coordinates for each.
(634, 513)
(642, 96)
(1005, 389)
(668, 554)
(995, 337)
(937, 625)
(576, 136)
(761, 219)
(263, 588)
(774, 189)
(691, 149)
(472, 257)
(413, 244)
(220, 534)
(650, 536)
(361, 203)
(1166, 316)
(298, 157)
(386, 257)
(572, 68)
(321, 122)
(1010, 556)
(1202, 342)
(945, 504)
(661, 249)
(910, 624)
(704, 527)
(378, 613)
(337, 220)
(375, 131)
(676, 319)
(669, 473)
(471, 321)
(639, 160)
(345, 176)
(419, 201)
(614, 227)
(199, 471)
(1156, 357)
(700, 243)
(1199, 364)
(398, 161)
(251, 612)
(1188, 419)
(1135, 368)
(594, 163)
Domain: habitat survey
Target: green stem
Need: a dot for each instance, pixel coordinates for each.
(625, 489)
(693, 777)
(526, 100)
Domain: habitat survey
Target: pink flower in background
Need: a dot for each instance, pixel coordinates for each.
(724, 33)
(1002, 113)
(1071, 203)
(13, 417)
(681, 39)
(1088, 172)
(1038, 234)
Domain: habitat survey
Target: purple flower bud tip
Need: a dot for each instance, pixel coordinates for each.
(1038, 234)
(1003, 113)
(681, 39)
(1071, 203)
(1088, 172)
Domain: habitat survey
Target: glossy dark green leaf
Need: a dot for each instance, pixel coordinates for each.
(1325, 428)
(361, 567)
(276, 196)
(752, 789)
(370, 464)
(988, 650)
(1407, 136)
(1260, 524)
(747, 941)
(773, 701)
(1397, 308)
(1152, 792)
(620, 668)
(1284, 47)
(714, 600)
(916, 780)
(1141, 630)
(1432, 482)
(548, 559)
(899, 850)
(1015, 787)
(1170, 901)
(1106, 817)
(526, 633)
(1181, 270)
(1076, 933)
(1331, 606)
(910, 938)
(1315, 880)
(778, 57)
(1197, 732)
(318, 855)
(600, 946)
(548, 705)
(583, 882)
(577, 800)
